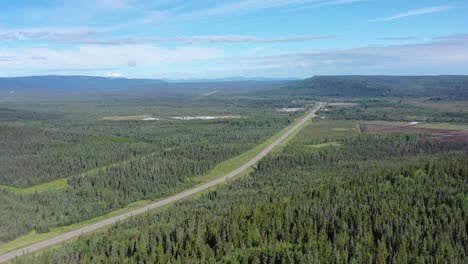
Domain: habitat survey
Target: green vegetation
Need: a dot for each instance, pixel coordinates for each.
(324, 145)
(34, 236)
(324, 131)
(302, 205)
(59, 172)
(59, 184)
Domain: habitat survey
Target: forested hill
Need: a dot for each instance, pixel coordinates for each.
(372, 86)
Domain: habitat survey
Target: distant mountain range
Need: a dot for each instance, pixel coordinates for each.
(71, 83)
(231, 79)
(348, 86)
(53, 85)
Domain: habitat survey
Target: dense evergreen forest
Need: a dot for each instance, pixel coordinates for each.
(30, 155)
(368, 199)
(109, 164)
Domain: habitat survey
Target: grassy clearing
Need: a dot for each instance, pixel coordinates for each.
(324, 145)
(341, 104)
(113, 165)
(336, 129)
(125, 118)
(220, 170)
(444, 126)
(59, 184)
(444, 105)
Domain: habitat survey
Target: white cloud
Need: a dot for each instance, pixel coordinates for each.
(47, 34)
(137, 13)
(326, 3)
(399, 38)
(89, 36)
(113, 75)
(199, 39)
(427, 10)
(98, 56)
(239, 7)
(450, 52)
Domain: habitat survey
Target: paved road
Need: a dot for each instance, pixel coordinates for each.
(176, 197)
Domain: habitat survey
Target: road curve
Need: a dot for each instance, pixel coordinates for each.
(176, 197)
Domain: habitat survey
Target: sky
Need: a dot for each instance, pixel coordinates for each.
(178, 39)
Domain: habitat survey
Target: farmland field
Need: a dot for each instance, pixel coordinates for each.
(124, 118)
(436, 134)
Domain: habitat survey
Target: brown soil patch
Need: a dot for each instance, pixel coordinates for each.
(125, 118)
(436, 134)
(342, 129)
(342, 104)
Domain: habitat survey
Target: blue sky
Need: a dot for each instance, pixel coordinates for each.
(213, 39)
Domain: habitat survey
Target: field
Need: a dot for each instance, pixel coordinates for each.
(435, 134)
(342, 104)
(203, 117)
(393, 109)
(326, 131)
(125, 118)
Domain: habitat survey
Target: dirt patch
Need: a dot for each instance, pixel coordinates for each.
(324, 145)
(125, 118)
(436, 134)
(208, 94)
(290, 109)
(203, 117)
(342, 104)
(342, 129)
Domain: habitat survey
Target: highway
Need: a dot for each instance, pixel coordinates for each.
(66, 236)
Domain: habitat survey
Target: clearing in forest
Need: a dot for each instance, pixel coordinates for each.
(203, 117)
(291, 109)
(342, 104)
(126, 118)
(435, 133)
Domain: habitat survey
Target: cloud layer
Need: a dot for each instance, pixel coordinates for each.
(448, 52)
(442, 52)
(98, 56)
(83, 36)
